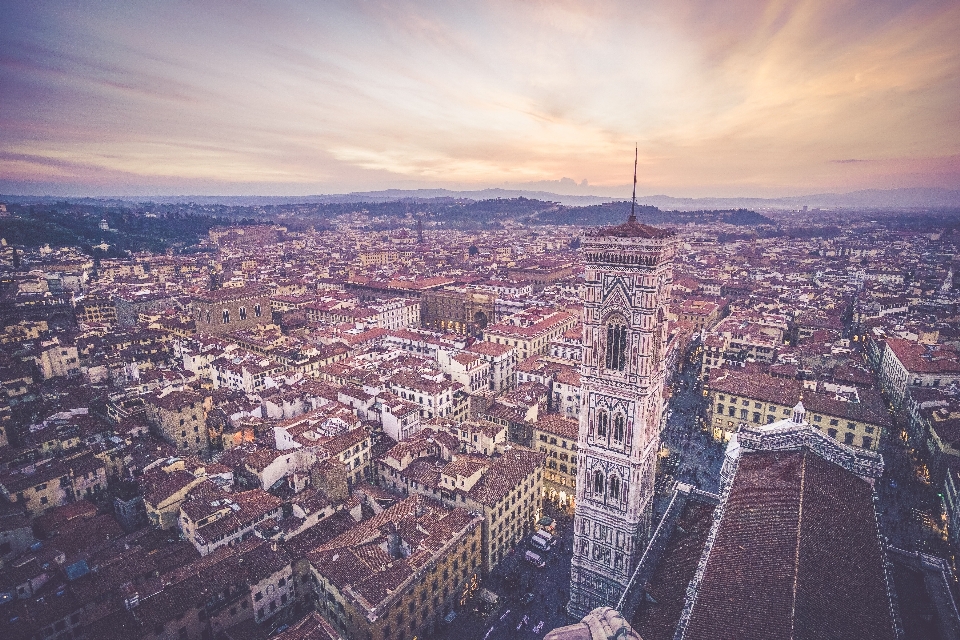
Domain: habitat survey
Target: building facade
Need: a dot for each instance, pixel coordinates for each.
(224, 310)
(628, 273)
(462, 311)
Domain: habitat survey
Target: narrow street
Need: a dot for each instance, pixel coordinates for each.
(512, 580)
(694, 457)
(909, 507)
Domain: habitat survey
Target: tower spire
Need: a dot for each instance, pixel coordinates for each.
(633, 204)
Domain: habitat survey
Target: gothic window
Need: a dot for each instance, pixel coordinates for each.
(615, 488)
(256, 310)
(226, 316)
(598, 482)
(616, 359)
(602, 419)
(243, 313)
(618, 427)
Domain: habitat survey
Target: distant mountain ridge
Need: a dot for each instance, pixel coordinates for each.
(905, 198)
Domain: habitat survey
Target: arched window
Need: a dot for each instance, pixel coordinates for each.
(598, 482)
(602, 419)
(614, 488)
(619, 427)
(616, 359)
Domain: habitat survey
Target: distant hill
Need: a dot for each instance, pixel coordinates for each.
(911, 198)
(616, 212)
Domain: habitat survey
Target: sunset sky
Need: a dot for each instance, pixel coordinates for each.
(724, 98)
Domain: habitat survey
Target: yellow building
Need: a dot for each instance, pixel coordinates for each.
(180, 417)
(164, 493)
(507, 490)
(531, 332)
(398, 574)
(556, 437)
(855, 417)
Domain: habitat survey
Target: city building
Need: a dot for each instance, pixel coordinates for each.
(506, 488)
(857, 417)
(557, 436)
(626, 295)
(224, 310)
(457, 310)
(400, 573)
(530, 332)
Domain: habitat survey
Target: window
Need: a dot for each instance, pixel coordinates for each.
(602, 419)
(756, 417)
(256, 310)
(243, 313)
(743, 414)
(834, 422)
(848, 438)
(851, 425)
(732, 411)
(258, 597)
(226, 316)
(867, 442)
(817, 418)
(616, 357)
(598, 482)
(719, 408)
(770, 419)
(832, 433)
(615, 488)
(618, 427)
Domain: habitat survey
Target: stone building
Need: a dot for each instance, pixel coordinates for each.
(556, 436)
(400, 573)
(506, 490)
(457, 310)
(626, 295)
(224, 310)
(180, 418)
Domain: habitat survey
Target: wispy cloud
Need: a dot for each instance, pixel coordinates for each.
(742, 97)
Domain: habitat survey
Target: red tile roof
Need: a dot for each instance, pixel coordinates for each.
(797, 556)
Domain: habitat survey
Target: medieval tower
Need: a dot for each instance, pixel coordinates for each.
(627, 289)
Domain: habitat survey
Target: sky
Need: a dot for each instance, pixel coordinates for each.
(722, 98)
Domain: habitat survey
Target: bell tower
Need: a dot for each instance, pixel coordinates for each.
(628, 272)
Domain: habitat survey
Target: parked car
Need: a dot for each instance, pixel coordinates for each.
(534, 559)
(540, 543)
(546, 535)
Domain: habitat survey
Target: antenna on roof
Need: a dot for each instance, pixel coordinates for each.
(633, 204)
